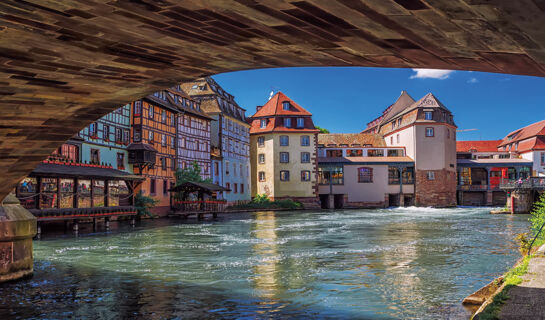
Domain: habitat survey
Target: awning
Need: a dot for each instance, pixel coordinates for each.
(81, 171)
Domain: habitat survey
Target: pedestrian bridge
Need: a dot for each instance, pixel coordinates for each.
(63, 64)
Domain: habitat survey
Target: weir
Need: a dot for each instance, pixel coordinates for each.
(522, 194)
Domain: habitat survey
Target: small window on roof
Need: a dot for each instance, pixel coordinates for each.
(286, 105)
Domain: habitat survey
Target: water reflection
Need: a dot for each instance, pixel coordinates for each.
(403, 263)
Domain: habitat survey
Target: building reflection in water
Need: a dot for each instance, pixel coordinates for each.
(266, 252)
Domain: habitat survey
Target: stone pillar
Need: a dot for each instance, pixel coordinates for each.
(17, 228)
(331, 201)
(489, 197)
(523, 201)
(487, 179)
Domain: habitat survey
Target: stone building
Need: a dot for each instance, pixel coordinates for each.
(359, 170)
(427, 131)
(283, 151)
(230, 137)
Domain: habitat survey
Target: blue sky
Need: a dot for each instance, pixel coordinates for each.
(345, 99)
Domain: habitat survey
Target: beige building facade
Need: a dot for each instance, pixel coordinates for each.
(283, 152)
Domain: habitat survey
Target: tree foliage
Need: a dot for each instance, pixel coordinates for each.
(143, 204)
(538, 217)
(322, 130)
(191, 173)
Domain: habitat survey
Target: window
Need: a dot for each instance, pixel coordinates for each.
(163, 140)
(242, 188)
(305, 141)
(227, 168)
(150, 136)
(95, 156)
(216, 168)
(399, 122)
(93, 129)
(163, 116)
(284, 157)
(163, 163)
(284, 175)
(120, 161)
(150, 112)
(365, 175)
(428, 115)
(408, 175)
(126, 136)
(354, 153)
(152, 186)
(260, 141)
(431, 175)
(543, 158)
(137, 134)
(236, 188)
(284, 140)
(393, 175)
(397, 138)
(173, 164)
(430, 132)
(172, 140)
(286, 105)
(300, 122)
(261, 176)
(393, 125)
(98, 193)
(444, 116)
(375, 153)
(391, 140)
(118, 135)
(165, 187)
(334, 153)
(330, 174)
(305, 157)
(106, 132)
(395, 153)
(261, 158)
(70, 152)
(287, 122)
(228, 187)
(137, 108)
(305, 175)
(263, 123)
(172, 120)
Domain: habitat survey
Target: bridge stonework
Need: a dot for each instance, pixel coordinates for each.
(63, 64)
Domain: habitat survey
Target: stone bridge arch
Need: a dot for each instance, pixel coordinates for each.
(64, 64)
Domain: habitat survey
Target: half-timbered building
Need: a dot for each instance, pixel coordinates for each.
(105, 141)
(230, 135)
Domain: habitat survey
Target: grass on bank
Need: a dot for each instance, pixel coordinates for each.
(261, 201)
(512, 278)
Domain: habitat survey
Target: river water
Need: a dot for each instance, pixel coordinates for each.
(410, 263)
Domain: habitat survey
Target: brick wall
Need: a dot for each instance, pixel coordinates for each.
(440, 192)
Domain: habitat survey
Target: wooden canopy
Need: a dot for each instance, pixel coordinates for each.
(188, 187)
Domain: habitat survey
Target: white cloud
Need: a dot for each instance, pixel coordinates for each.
(431, 74)
(472, 80)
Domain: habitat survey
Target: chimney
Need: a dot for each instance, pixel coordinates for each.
(257, 108)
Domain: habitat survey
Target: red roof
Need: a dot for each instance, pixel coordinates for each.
(535, 143)
(477, 146)
(535, 129)
(275, 114)
(273, 107)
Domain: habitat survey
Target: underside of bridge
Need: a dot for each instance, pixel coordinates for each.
(64, 64)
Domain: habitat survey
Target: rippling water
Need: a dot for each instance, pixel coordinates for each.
(367, 264)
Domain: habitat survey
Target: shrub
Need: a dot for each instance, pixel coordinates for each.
(261, 199)
(538, 218)
(143, 204)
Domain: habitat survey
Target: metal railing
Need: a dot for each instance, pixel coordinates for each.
(536, 183)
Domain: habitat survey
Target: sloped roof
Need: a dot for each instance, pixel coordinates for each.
(273, 107)
(535, 143)
(403, 102)
(370, 160)
(532, 130)
(64, 170)
(350, 139)
(478, 145)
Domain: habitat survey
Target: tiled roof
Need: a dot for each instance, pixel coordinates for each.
(532, 130)
(477, 145)
(493, 161)
(273, 107)
(82, 171)
(377, 160)
(402, 103)
(535, 143)
(351, 138)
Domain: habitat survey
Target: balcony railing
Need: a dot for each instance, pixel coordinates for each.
(534, 183)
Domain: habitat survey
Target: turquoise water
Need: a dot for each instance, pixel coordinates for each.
(411, 263)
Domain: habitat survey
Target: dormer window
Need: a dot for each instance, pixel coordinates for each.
(263, 123)
(399, 122)
(428, 115)
(287, 122)
(300, 122)
(286, 105)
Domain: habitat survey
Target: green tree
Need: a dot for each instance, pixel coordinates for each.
(538, 218)
(191, 173)
(322, 130)
(143, 204)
